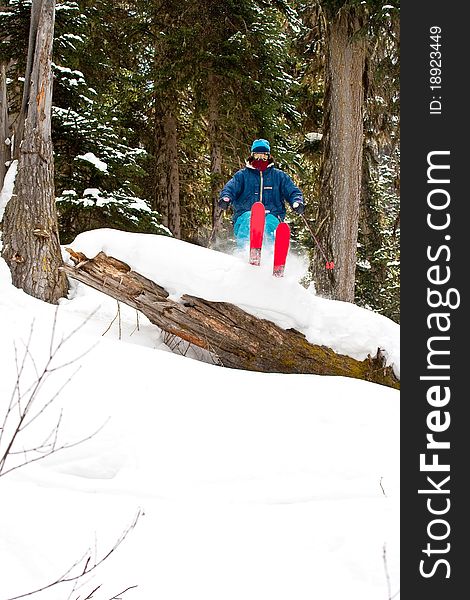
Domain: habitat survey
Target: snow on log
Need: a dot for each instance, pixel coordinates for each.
(239, 340)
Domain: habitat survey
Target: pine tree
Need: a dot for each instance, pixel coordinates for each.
(100, 161)
(377, 276)
(219, 80)
(338, 211)
(350, 29)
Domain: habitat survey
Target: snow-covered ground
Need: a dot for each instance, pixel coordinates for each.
(249, 485)
(183, 268)
(7, 190)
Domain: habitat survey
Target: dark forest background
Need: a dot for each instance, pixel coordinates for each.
(155, 105)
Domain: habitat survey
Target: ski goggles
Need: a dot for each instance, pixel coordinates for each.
(260, 155)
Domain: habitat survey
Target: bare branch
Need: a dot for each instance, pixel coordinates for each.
(50, 401)
(89, 566)
(90, 595)
(54, 323)
(24, 400)
(74, 360)
(65, 339)
(45, 443)
(389, 587)
(111, 324)
(137, 326)
(386, 571)
(383, 491)
(54, 450)
(16, 389)
(119, 594)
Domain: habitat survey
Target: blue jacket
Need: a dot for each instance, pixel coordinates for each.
(273, 188)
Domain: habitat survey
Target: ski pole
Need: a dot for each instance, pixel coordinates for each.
(330, 265)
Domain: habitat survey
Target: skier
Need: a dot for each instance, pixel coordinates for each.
(260, 181)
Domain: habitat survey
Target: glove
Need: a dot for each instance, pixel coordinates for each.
(224, 203)
(298, 207)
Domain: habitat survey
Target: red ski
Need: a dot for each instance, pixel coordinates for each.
(258, 216)
(281, 248)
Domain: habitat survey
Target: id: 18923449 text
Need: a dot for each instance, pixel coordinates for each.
(435, 70)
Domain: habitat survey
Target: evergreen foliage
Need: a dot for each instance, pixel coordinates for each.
(119, 67)
(378, 273)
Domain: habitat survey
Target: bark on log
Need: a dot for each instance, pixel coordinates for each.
(238, 339)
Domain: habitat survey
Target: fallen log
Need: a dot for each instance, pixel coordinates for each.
(238, 340)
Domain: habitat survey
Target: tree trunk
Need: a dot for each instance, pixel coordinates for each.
(31, 237)
(238, 339)
(4, 129)
(213, 95)
(167, 182)
(338, 215)
(36, 9)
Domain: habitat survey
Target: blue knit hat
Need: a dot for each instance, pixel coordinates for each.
(261, 146)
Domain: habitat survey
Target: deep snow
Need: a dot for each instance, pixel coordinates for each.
(185, 268)
(252, 485)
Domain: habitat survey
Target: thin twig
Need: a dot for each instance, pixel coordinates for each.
(50, 401)
(64, 340)
(383, 491)
(90, 595)
(119, 594)
(45, 443)
(116, 316)
(88, 568)
(16, 389)
(137, 326)
(54, 323)
(73, 360)
(25, 399)
(53, 451)
(386, 571)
